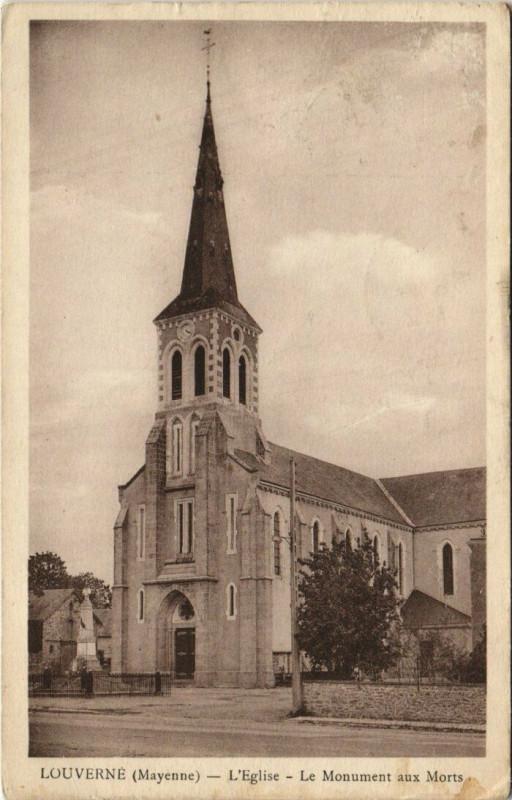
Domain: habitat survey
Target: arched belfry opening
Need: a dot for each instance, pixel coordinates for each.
(242, 380)
(199, 371)
(176, 648)
(226, 373)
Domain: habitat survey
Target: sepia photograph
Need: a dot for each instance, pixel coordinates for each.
(308, 242)
(258, 421)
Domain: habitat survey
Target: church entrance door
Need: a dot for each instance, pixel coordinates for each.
(185, 652)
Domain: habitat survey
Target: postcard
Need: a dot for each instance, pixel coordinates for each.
(256, 463)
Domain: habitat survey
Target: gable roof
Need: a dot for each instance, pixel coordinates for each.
(437, 498)
(43, 606)
(421, 610)
(134, 476)
(328, 482)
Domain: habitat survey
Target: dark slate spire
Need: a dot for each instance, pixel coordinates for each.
(208, 275)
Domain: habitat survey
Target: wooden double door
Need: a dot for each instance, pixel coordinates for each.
(184, 652)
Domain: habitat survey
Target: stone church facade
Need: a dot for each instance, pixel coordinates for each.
(201, 571)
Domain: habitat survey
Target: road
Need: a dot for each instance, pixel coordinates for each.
(54, 733)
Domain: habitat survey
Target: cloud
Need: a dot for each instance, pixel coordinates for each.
(348, 286)
(376, 351)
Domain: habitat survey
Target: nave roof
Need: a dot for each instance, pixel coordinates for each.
(434, 498)
(329, 482)
(441, 498)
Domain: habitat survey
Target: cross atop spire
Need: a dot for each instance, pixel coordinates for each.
(208, 46)
(208, 275)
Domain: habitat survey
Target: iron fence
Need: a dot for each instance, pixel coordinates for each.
(87, 684)
(423, 669)
(402, 678)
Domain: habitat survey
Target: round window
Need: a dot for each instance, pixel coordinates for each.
(185, 611)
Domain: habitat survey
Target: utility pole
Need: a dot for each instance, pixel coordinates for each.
(297, 698)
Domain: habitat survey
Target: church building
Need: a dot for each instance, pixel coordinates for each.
(201, 568)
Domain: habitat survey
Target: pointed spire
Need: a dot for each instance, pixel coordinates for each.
(208, 261)
(208, 275)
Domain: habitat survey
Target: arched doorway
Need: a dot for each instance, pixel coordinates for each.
(177, 636)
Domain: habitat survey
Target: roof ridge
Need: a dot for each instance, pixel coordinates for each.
(433, 472)
(394, 502)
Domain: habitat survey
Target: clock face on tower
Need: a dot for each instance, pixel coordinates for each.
(185, 330)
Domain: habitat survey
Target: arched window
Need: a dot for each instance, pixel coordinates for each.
(348, 539)
(277, 544)
(242, 380)
(231, 514)
(199, 371)
(447, 569)
(316, 536)
(183, 612)
(194, 425)
(141, 533)
(185, 527)
(176, 376)
(391, 554)
(400, 576)
(226, 373)
(140, 606)
(177, 447)
(376, 549)
(231, 601)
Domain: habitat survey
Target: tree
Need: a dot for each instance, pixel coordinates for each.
(348, 614)
(476, 667)
(101, 593)
(46, 571)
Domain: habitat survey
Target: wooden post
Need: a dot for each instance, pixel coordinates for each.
(297, 697)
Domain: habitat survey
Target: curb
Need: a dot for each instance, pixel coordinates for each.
(452, 727)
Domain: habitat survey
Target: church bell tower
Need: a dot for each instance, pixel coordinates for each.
(207, 341)
(192, 593)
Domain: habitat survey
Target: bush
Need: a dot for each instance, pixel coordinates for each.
(455, 664)
(476, 666)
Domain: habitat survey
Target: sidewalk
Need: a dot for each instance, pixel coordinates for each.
(254, 705)
(260, 706)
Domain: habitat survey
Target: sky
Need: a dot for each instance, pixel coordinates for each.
(354, 163)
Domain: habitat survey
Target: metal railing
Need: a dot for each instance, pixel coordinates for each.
(416, 678)
(88, 684)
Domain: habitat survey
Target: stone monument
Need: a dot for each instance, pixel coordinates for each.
(86, 645)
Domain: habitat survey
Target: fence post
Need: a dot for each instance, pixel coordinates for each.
(158, 683)
(47, 679)
(90, 683)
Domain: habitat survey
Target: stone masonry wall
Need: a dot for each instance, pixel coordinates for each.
(61, 627)
(462, 704)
